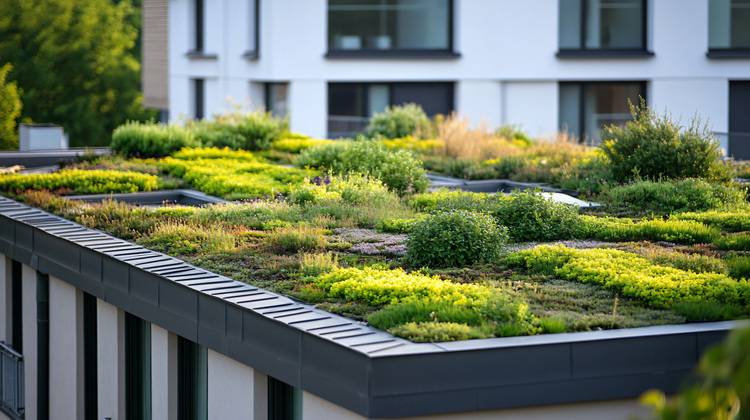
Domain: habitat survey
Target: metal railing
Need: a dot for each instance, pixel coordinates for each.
(11, 382)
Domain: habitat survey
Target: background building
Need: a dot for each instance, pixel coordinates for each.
(544, 65)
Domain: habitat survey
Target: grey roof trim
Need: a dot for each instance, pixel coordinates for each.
(39, 158)
(357, 367)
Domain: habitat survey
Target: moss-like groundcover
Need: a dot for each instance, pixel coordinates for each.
(349, 226)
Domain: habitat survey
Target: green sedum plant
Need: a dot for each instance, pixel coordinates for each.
(399, 121)
(615, 229)
(81, 182)
(454, 239)
(726, 220)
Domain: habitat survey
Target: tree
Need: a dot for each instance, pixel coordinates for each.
(74, 63)
(10, 109)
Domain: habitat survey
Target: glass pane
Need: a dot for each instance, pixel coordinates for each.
(278, 103)
(612, 24)
(388, 24)
(606, 104)
(718, 25)
(434, 98)
(570, 24)
(252, 26)
(377, 99)
(740, 24)
(570, 109)
(347, 109)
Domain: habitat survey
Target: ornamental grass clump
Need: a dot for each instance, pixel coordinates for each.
(633, 276)
(188, 239)
(293, 239)
(78, 181)
(150, 139)
(455, 238)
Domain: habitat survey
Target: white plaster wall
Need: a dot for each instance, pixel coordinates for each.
(686, 98)
(164, 374)
(231, 389)
(65, 369)
(315, 408)
(533, 106)
(308, 104)
(30, 357)
(480, 101)
(110, 361)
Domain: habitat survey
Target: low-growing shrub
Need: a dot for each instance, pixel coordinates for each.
(529, 216)
(739, 266)
(297, 145)
(615, 229)
(655, 147)
(429, 146)
(150, 139)
(399, 170)
(290, 240)
(734, 242)
(354, 189)
(633, 276)
(252, 131)
(399, 121)
(188, 239)
(455, 239)
(666, 197)
(429, 332)
(399, 225)
(81, 182)
(444, 200)
(726, 220)
(707, 311)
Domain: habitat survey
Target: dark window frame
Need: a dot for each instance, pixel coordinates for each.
(283, 401)
(368, 53)
(90, 380)
(585, 52)
(267, 86)
(725, 52)
(253, 53)
(188, 363)
(199, 9)
(582, 95)
(199, 98)
(43, 350)
(137, 339)
(16, 286)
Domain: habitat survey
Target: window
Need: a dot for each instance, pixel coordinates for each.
(277, 99)
(390, 25)
(89, 358)
(42, 346)
(199, 92)
(601, 25)
(585, 108)
(729, 25)
(137, 368)
(16, 333)
(198, 15)
(284, 401)
(253, 49)
(192, 379)
(350, 105)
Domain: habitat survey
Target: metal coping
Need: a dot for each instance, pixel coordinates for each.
(352, 365)
(48, 157)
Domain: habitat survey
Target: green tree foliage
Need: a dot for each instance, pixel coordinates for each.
(10, 109)
(74, 62)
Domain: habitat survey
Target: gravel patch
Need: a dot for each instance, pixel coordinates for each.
(371, 242)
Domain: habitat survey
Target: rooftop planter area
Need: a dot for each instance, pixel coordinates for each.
(345, 243)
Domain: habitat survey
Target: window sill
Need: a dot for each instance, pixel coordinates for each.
(392, 54)
(604, 54)
(200, 55)
(251, 55)
(728, 53)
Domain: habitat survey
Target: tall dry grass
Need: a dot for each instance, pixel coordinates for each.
(461, 141)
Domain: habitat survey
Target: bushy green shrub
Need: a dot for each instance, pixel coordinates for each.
(10, 109)
(444, 200)
(399, 121)
(633, 276)
(455, 239)
(187, 239)
(81, 182)
(529, 216)
(252, 131)
(615, 229)
(399, 170)
(150, 139)
(655, 147)
(295, 239)
(726, 220)
(666, 197)
(353, 189)
(734, 242)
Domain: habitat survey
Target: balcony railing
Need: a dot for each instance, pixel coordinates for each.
(735, 145)
(346, 126)
(11, 382)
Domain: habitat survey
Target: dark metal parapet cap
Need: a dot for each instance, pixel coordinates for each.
(352, 365)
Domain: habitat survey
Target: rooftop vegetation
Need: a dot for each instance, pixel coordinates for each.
(351, 226)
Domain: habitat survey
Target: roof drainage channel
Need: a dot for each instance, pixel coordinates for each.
(351, 364)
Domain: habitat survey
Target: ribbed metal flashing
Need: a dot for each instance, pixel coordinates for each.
(350, 364)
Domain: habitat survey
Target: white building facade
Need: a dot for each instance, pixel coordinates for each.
(543, 65)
